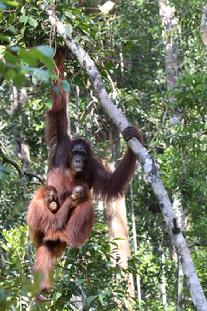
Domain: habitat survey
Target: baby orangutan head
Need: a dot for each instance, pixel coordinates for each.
(79, 194)
(51, 199)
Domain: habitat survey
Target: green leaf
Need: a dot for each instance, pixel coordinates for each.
(12, 29)
(27, 69)
(101, 298)
(14, 49)
(69, 14)
(56, 89)
(10, 58)
(4, 38)
(3, 299)
(3, 172)
(27, 57)
(9, 2)
(23, 19)
(19, 79)
(44, 54)
(56, 296)
(69, 30)
(45, 50)
(10, 74)
(41, 74)
(90, 299)
(2, 68)
(33, 22)
(2, 49)
(66, 86)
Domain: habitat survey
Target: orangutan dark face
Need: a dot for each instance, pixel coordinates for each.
(79, 158)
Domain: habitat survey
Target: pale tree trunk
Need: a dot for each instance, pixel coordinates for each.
(118, 234)
(203, 26)
(77, 110)
(163, 285)
(76, 300)
(24, 152)
(170, 34)
(18, 99)
(181, 221)
(118, 231)
(121, 57)
(149, 165)
(118, 226)
(20, 146)
(117, 214)
(134, 235)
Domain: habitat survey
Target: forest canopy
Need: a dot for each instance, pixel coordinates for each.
(152, 60)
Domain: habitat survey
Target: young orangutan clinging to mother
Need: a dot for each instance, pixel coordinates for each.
(43, 218)
(52, 200)
(71, 163)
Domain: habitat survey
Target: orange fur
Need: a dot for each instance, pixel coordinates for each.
(80, 224)
(45, 260)
(51, 233)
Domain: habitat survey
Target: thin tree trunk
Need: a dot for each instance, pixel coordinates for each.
(118, 226)
(181, 219)
(203, 26)
(117, 215)
(170, 35)
(150, 167)
(180, 281)
(134, 234)
(76, 300)
(121, 56)
(163, 285)
(118, 231)
(77, 110)
(18, 99)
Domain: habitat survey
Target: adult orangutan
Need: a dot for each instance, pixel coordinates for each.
(71, 163)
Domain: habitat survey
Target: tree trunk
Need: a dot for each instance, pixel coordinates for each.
(134, 235)
(18, 99)
(170, 35)
(203, 26)
(118, 226)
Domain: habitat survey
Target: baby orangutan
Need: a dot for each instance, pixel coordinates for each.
(59, 222)
(51, 199)
(79, 194)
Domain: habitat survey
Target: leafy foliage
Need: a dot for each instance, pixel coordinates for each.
(127, 46)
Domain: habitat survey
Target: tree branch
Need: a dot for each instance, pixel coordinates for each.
(150, 167)
(18, 168)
